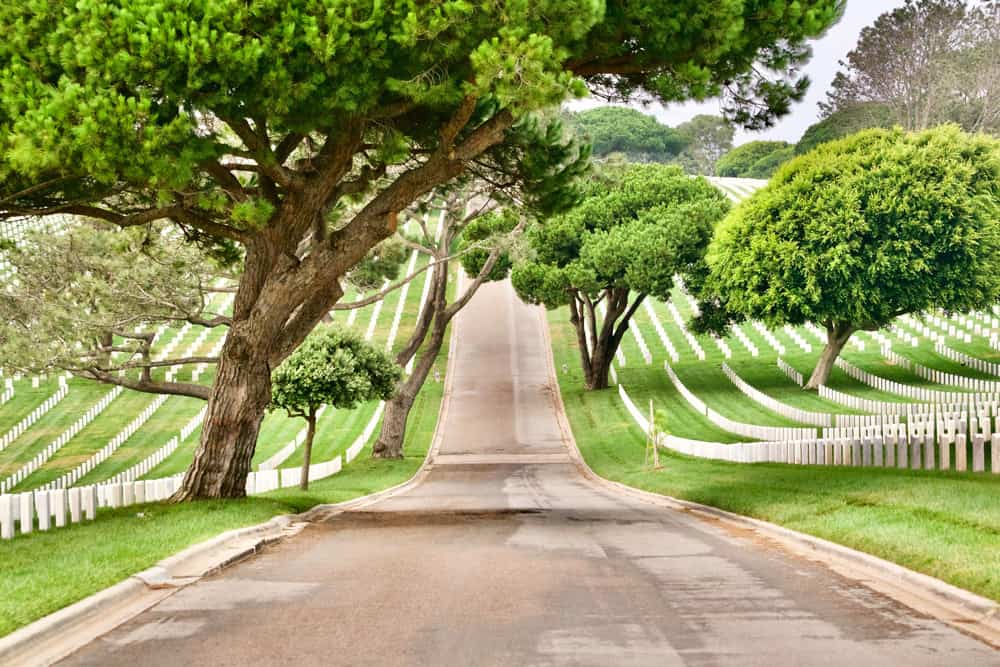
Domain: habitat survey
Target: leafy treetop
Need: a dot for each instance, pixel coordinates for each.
(641, 137)
(332, 367)
(864, 229)
(635, 229)
(741, 160)
(845, 121)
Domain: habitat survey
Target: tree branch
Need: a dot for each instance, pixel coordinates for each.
(148, 386)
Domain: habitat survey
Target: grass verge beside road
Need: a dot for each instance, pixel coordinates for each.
(44, 572)
(946, 525)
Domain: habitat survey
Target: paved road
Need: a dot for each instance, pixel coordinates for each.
(506, 555)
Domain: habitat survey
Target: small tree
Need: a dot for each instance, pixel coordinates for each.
(635, 229)
(334, 368)
(861, 231)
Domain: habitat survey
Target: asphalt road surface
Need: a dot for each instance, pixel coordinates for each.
(506, 555)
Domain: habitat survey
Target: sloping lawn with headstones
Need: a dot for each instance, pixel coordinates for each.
(945, 524)
(46, 571)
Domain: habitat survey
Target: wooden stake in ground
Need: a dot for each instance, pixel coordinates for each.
(651, 440)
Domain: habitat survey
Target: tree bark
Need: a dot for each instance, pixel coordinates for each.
(837, 335)
(397, 409)
(236, 405)
(599, 344)
(307, 453)
(600, 368)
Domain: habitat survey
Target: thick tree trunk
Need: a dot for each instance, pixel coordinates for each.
(837, 335)
(390, 439)
(236, 405)
(308, 452)
(397, 409)
(599, 343)
(600, 368)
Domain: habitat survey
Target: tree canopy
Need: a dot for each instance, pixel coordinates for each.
(300, 130)
(845, 121)
(332, 367)
(928, 62)
(862, 230)
(743, 160)
(335, 368)
(642, 138)
(708, 139)
(634, 230)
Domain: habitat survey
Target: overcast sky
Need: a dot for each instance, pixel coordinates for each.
(827, 51)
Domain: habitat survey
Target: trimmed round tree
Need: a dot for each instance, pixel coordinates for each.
(334, 368)
(635, 229)
(862, 230)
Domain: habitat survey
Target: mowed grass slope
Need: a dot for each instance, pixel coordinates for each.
(944, 524)
(43, 572)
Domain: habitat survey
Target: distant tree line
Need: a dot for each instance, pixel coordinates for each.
(627, 135)
(924, 64)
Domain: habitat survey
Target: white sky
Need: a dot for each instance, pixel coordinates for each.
(827, 51)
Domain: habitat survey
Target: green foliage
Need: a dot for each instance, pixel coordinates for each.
(767, 165)
(482, 235)
(332, 367)
(383, 262)
(740, 161)
(635, 228)
(843, 122)
(544, 160)
(864, 229)
(641, 137)
(708, 138)
(710, 45)
(115, 90)
(76, 286)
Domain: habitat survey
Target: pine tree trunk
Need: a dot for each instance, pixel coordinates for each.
(390, 439)
(397, 409)
(837, 336)
(307, 453)
(600, 367)
(236, 406)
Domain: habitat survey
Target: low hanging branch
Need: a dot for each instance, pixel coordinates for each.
(86, 300)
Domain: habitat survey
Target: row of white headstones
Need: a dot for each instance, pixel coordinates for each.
(59, 503)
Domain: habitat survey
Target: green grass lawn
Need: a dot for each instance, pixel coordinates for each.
(946, 525)
(43, 572)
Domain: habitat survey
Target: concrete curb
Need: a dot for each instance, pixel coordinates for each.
(970, 613)
(53, 637)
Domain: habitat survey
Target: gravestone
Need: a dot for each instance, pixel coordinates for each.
(978, 453)
(961, 454)
(74, 505)
(6, 516)
(58, 500)
(25, 515)
(928, 453)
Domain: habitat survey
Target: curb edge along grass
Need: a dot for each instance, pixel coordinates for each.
(56, 636)
(969, 613)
